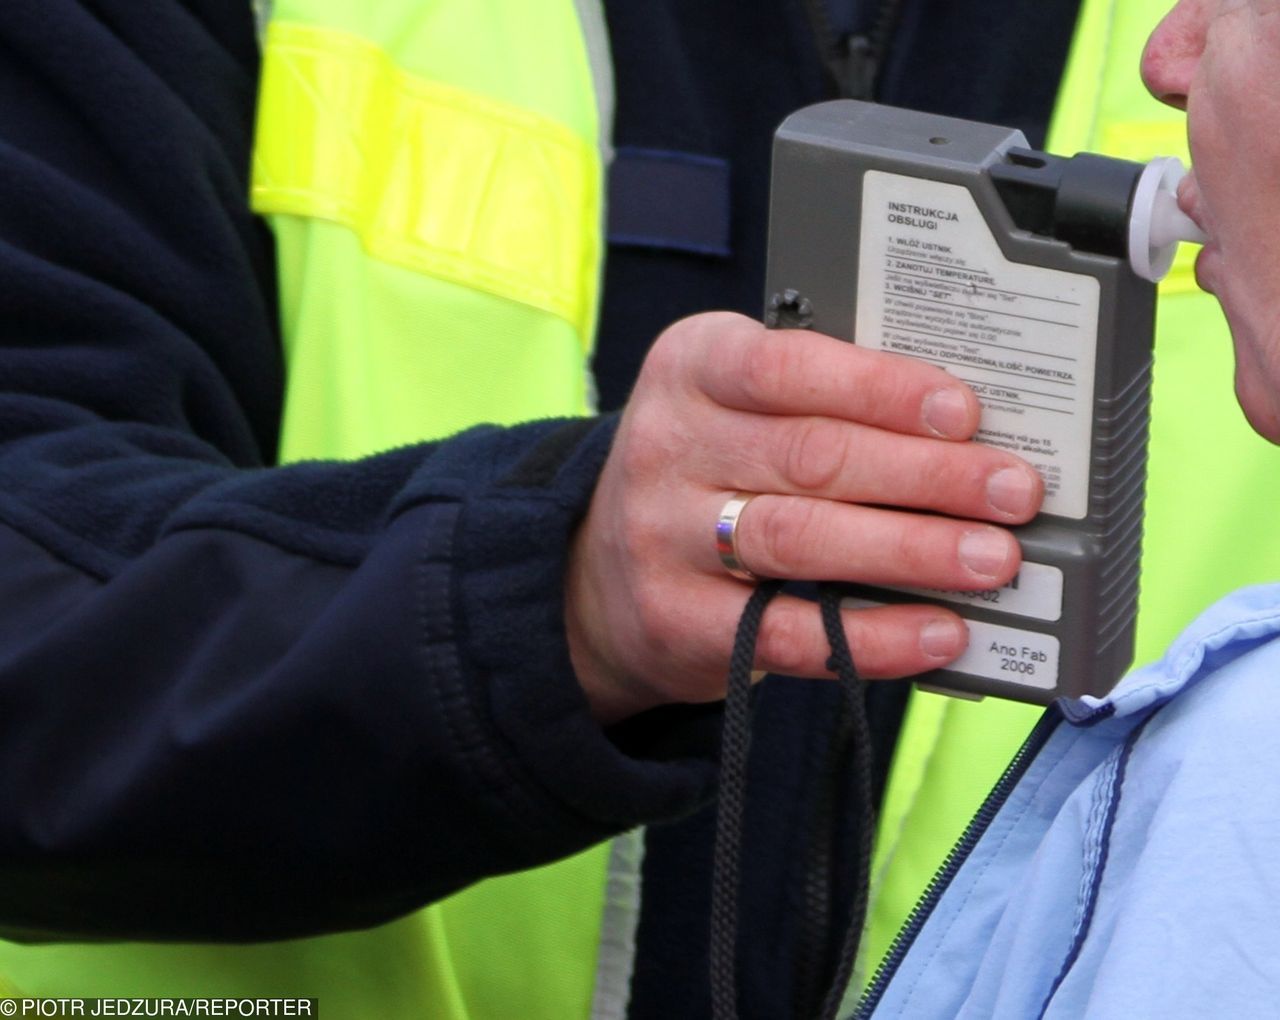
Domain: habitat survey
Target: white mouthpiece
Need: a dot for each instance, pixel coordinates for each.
(1156, 224)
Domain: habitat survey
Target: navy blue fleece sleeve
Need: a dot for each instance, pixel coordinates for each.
(238, 700)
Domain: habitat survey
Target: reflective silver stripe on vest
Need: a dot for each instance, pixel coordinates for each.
(1105, 46)
(262, 14)
(596, 36)
(618, 928)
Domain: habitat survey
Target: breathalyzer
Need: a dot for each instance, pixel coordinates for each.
(1031, 277)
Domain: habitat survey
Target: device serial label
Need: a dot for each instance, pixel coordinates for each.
(1035, 592)
(1008, 654)
(933, 284)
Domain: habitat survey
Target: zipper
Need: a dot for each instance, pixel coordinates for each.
(853, 62)
(958, 854)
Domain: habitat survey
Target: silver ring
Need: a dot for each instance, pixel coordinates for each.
(727, 535)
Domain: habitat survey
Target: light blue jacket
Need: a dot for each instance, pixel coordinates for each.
(1130, 864)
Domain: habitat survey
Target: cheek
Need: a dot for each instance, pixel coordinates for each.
(1246, 269)
(1235, 152)
(1233, 125)
(1234, 131)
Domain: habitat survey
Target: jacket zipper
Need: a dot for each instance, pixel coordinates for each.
(853, 62)
(955, 858)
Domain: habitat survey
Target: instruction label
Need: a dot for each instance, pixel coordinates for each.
(1008, 654)
(933, 284)
(1035, 592)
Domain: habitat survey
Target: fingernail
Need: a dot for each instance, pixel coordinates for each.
(942, 639)
(946, 412)
(984, 552)
(1010, 491)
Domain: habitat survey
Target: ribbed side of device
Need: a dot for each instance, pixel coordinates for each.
(1119, 481)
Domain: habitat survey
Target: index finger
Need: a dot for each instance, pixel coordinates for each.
(798, 372)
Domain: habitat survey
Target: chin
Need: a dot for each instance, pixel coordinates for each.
(1259, 408)
(1267, 427)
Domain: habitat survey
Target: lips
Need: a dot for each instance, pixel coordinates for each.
(1189, 200)
(1206, 272)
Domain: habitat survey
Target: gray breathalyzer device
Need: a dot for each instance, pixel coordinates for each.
(1032, 278)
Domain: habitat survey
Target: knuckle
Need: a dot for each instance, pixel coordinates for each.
(639, 538)
(703, 339)
(946, 476)
(666, 352)
(909, 551)
(786, 529)
(883, 377)
(953, 475)
(658, 621)
(643, 450)
(871, 643)
(763, 366)
(816, 454)
(722, 335)
(783, 647)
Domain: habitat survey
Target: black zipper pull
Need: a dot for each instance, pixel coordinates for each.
(852, 62)
(856, 68)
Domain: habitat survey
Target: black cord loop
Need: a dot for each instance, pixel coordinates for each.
(849, 776)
